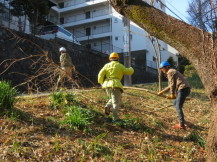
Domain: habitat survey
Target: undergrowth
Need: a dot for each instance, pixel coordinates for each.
(69, 126)
(7, 97)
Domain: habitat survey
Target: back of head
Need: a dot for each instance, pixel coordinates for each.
(62, 49)
(114, 56)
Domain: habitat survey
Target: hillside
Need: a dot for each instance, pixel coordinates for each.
(42, 130)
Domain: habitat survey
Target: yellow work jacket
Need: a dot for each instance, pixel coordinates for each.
(112, 73)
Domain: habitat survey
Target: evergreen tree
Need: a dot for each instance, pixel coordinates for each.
(36, 10)
(172, 62)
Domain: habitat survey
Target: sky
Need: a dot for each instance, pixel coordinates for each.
(179, 7)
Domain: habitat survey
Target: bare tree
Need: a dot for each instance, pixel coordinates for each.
(46, 71)
(197, 45)
(157, 52)
(203, 14)
(156, 47)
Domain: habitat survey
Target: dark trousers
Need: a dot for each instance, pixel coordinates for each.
(179, 102)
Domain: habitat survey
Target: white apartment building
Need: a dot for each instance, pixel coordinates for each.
(98, 26)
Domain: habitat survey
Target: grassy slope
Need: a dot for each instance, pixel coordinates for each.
(37, 135)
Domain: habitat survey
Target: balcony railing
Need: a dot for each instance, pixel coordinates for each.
(101, 29)
(95, 31)
(107, 48)
(78, 2)
(75, 2)
(83, 16)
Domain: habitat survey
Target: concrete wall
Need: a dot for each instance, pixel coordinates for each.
(87, 62)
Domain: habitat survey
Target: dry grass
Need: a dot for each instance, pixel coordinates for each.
(37, 135)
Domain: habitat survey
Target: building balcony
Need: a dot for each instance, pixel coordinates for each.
(93, 36)
(77, 4)
(95, 33)
(81, 19)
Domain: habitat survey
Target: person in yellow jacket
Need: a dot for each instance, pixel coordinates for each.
(110, 78)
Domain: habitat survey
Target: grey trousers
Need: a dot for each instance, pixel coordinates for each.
(179, 102)
(114, 100)
(64, 74)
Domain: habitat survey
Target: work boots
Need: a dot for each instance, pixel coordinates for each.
(107, 110)
(180, 126)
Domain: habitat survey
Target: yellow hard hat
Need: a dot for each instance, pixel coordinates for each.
(114, 55)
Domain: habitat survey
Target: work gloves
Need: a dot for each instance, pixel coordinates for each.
(171, 96)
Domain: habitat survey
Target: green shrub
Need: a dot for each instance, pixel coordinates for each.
(192, 77)
(78, 118)
(135, 125)
(98, 149)
(172, 62)
(62, 99)
(7, 96)
(195, 137)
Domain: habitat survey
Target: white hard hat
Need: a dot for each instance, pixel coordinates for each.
(62, 49)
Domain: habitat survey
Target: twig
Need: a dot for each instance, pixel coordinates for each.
(161, 108)
(87, 98)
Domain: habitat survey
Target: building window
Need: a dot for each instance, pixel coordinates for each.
(88, 31)
(62, 20)
(87, 15)
(154, 59)
(116, 38)
(94, 27)
(61, 5)
(131, 37)
(94, 44)
(133, 61)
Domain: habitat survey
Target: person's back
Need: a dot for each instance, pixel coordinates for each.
(176, 80)
(65, 60)
(110, 78)
(112, 73)
(66, 66)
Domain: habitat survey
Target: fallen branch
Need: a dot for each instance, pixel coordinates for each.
(161, 108)
(89, 99)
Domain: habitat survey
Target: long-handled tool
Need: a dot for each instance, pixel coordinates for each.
(142, 89)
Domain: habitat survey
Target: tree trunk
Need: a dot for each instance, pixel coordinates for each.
(196, 45)
(159, 71)
(212, 136)
(157, 55)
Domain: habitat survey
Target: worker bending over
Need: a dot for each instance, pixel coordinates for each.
(179, 86)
